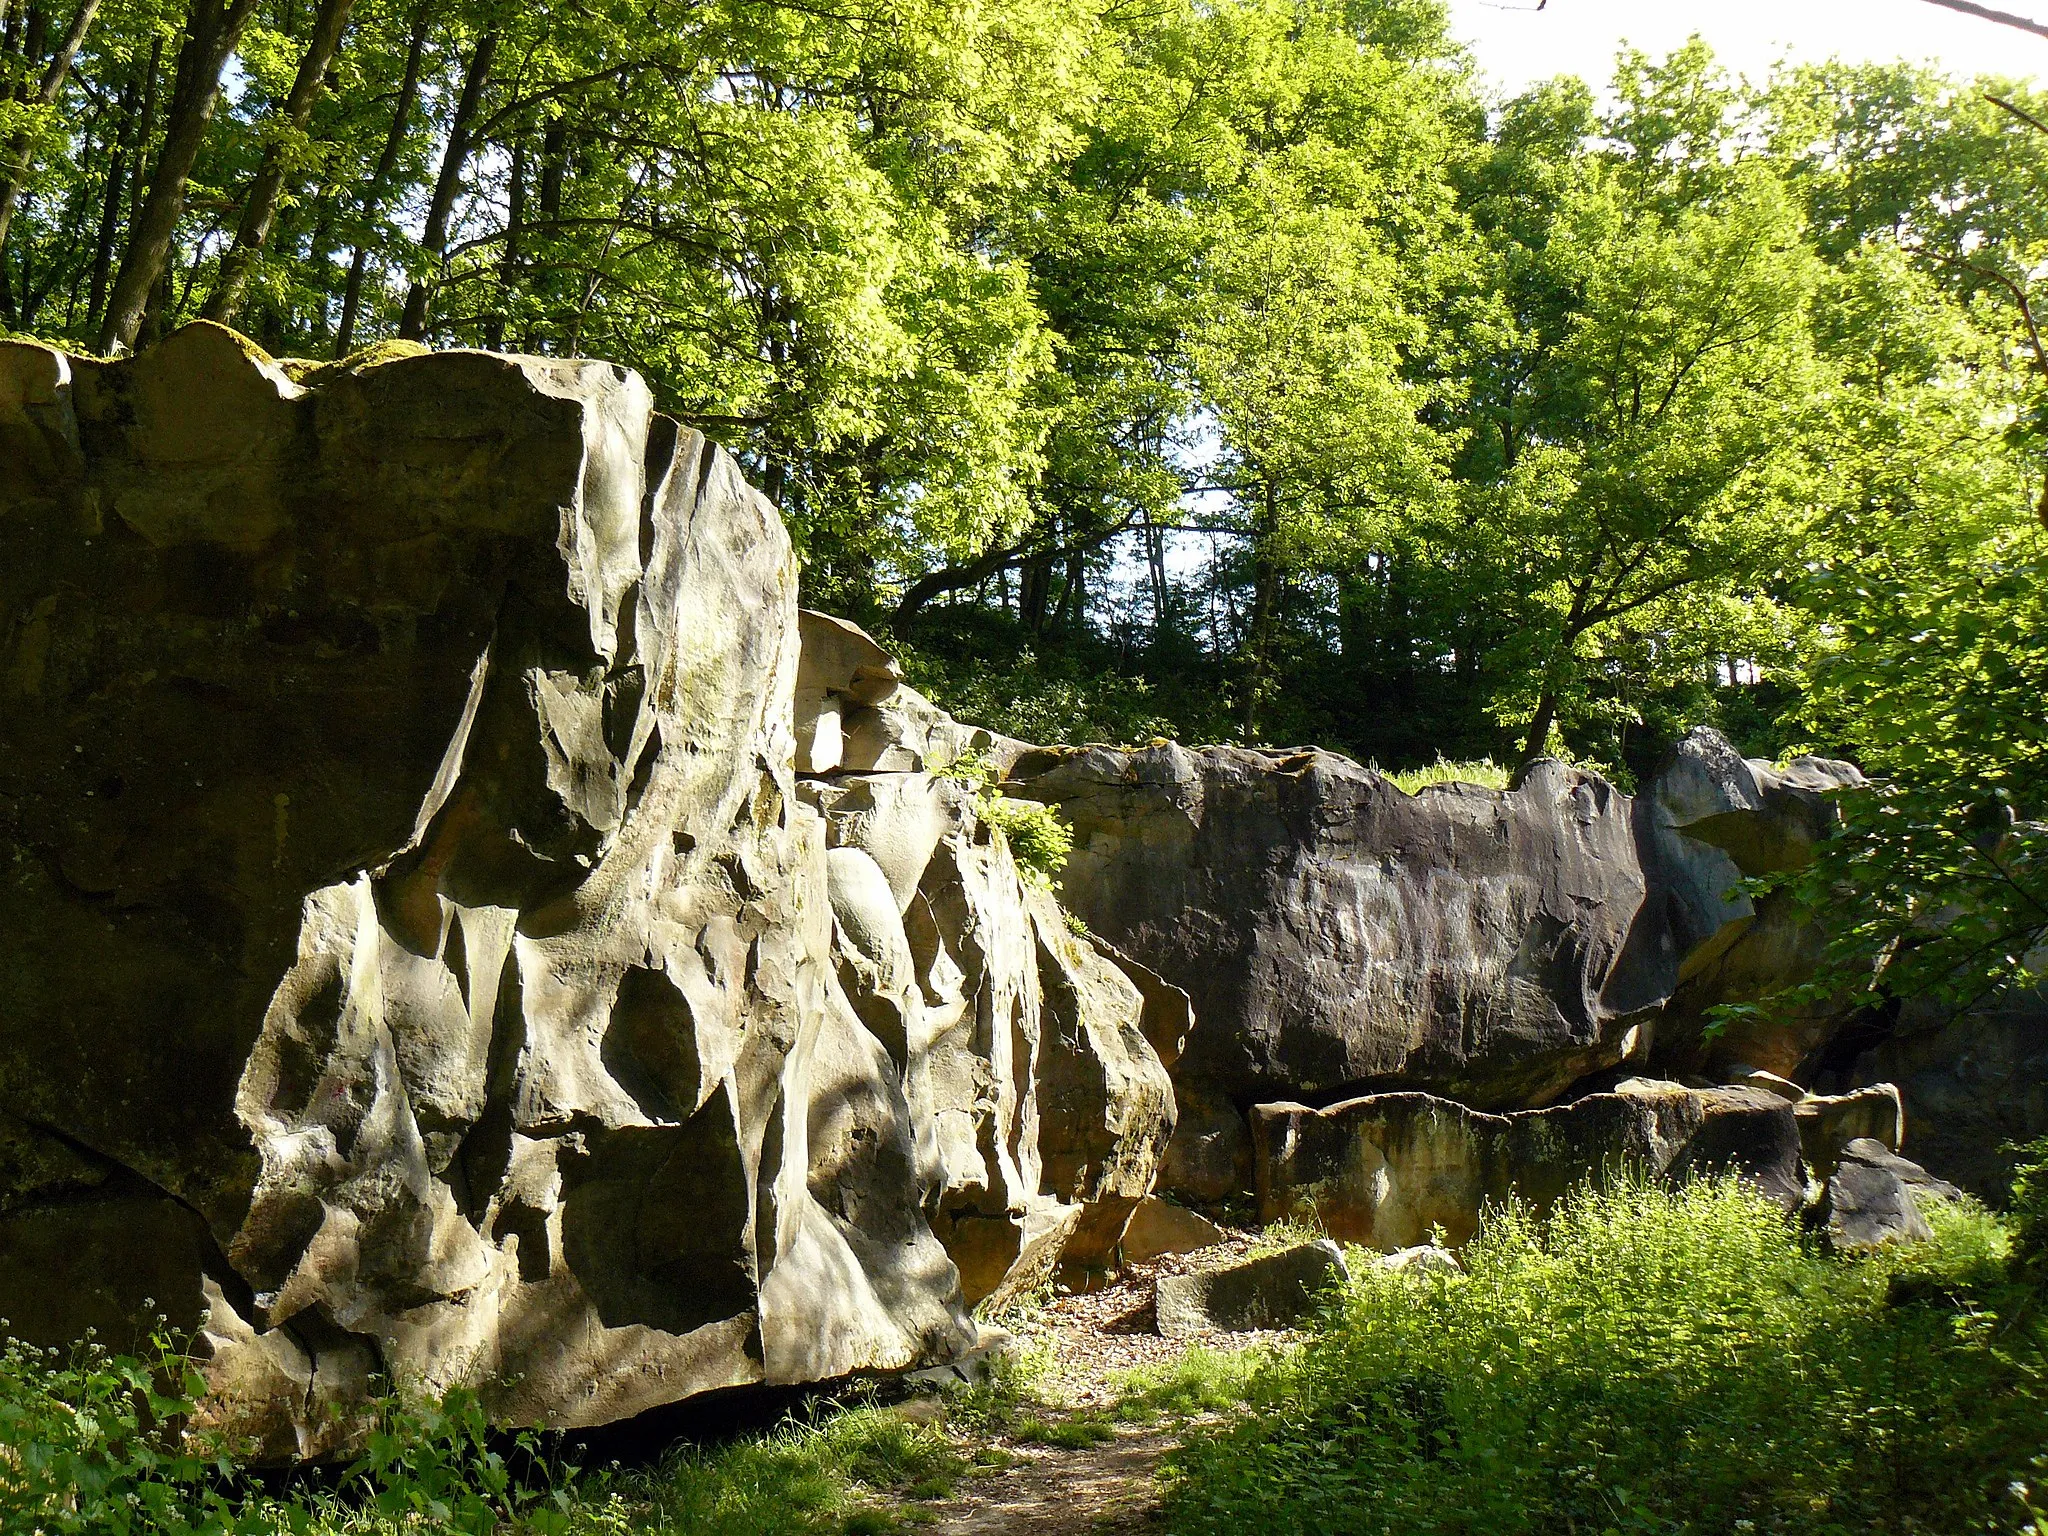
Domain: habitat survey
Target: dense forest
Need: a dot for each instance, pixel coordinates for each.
(1228, 369)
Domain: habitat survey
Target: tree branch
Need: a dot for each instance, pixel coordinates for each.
(1986, 13)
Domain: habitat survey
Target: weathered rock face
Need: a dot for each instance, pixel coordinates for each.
(1385, 1170)
(420, 955)
(1338, 936)
(1041, 1106)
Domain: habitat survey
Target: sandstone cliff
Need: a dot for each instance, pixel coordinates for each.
(422, 959)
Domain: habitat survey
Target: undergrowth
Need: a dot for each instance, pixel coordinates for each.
(1648, 1360)
(89, 1446)
(1037, 839)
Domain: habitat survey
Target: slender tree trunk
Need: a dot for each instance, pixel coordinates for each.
(554, 161)
(510, 259)
(47, 90)
(1162, 592)
(1265, 604)
(152, 79)
(448, 184)
(212, 30)
(1034, 587)
(259, 209)
(110, 211)
(387, 162)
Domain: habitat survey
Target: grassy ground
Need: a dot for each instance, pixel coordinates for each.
(1648, 1361)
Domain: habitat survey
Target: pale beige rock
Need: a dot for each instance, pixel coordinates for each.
(1390, 1171)
(1031, 1056)
(476, 1008)
(1157, 1228)
(1829, 1122)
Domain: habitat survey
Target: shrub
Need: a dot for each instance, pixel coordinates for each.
(1647, 1360)
(1038, 840)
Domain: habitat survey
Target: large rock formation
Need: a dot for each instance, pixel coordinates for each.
(1040, 1105)
(420, 955)
(1339, 936)
(1391, 1170)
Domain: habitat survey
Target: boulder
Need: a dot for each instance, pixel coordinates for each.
(1390, 1171)
(1157, 1228)
(1866, 1204)
(1026, 1049)
(1334, 931)
(1709, 820)
(422, 955)
(1274, 1290)
(1340, 937)
(1829, 1122)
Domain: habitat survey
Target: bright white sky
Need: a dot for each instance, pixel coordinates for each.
(1516, 44)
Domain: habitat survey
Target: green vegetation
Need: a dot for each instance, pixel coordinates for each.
(1648, 1361)
(1033, 832)
(1485, 773)
(1223, 371)
(88, 1447)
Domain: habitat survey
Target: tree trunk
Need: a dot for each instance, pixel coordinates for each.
(212, 30)
(1539, 728)
(554, 161)
(47, 91)
(387, 162)
(509, 261)
(259, 209)
(1265, 605)
(434, 240)
(1034, 587)
(110, 212)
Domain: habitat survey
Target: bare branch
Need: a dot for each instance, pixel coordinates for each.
(1986, 13)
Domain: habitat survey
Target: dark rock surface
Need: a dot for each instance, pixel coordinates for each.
(1274, 1290)
(1339, 936)
(420, 955)
(1972, 1086)
(1386, 1170)
(1868, 1203)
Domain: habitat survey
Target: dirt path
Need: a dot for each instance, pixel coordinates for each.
(1094, 1341)
(1105, 1488)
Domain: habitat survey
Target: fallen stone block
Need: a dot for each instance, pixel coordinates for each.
(1829, 1122)
(1158, 1228)
(1867, 1205)
(1275, 1290)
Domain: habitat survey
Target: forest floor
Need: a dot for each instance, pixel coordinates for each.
(1082, 1455)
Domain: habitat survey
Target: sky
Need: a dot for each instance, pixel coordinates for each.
(1516, 44)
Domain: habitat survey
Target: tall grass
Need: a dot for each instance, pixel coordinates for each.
(89, 1447)
(1648, 1360)
(1485, 773)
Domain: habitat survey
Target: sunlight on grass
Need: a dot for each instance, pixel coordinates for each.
(1486, 774)
(1648, 1360)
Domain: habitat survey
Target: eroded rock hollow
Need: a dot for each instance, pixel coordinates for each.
(459, 925)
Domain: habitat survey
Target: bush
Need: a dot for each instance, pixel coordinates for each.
(1037, 839)
(1648, 1360)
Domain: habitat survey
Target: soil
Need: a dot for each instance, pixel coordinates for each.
(1094, 1339)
